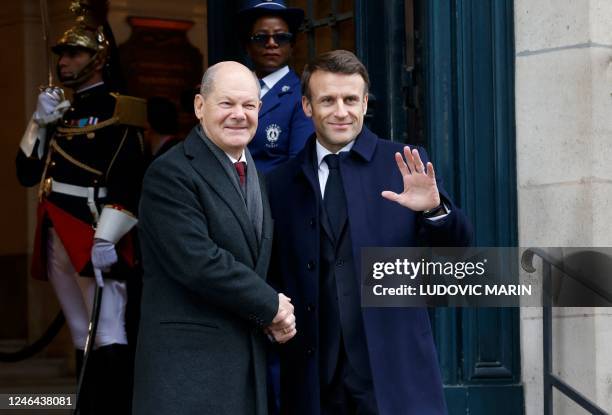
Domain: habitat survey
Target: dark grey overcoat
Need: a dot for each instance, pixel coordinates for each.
(205, 299)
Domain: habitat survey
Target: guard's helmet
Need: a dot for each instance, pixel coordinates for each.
(85, 34)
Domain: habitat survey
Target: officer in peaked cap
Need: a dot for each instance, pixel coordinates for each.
(269, 30)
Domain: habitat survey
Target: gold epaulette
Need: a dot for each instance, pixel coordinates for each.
(130, 111)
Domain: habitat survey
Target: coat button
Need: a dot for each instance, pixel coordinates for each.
(309, 351)
(310, 308)
(339, 262)
(312, 223)
(310, 265)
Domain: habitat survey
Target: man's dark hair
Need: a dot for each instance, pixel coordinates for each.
(335, 61)
(162, 115)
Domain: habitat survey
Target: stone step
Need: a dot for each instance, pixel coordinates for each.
(36, 374)
(34, 367)
(10, 345)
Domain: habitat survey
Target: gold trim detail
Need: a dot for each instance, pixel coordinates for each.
(130, 110)
(74, 161)
(42, 186)
(87, 128)
(110, 166)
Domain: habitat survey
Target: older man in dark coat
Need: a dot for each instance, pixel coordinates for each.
(206, 240)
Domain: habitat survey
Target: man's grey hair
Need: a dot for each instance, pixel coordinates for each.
(208, 81)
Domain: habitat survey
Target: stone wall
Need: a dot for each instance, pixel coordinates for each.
(564, 152)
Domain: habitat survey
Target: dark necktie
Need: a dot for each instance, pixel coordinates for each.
(241, 169)
(334, 198)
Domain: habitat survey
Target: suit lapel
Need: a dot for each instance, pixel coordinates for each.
(310, 171)
(265, 244)
(269, 102)
(212, 172)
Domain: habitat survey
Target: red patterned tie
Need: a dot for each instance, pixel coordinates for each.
(241, 169)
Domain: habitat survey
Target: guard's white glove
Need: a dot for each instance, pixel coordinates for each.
(103, 256)
(50, 107)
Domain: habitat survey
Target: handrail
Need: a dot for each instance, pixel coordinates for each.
(527, 264)
(549, 378)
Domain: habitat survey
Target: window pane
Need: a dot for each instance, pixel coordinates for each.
(322, 36)
(345, 6)
(322, 8)
(346, 29)
(302, 4)
(323, 39)
(300, 53)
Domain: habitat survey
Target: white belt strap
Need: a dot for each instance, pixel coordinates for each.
(81, 191)
(91, 202)
(78, 191)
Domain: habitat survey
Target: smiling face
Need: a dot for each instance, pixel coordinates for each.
(228, 112)
(337, 106)
(270, 56)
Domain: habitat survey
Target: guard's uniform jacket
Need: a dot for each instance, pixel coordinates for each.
(283, 128)
(93, 161)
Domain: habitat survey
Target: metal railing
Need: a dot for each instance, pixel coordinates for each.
(551, 380)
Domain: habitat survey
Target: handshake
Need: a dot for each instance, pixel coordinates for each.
(282, 328)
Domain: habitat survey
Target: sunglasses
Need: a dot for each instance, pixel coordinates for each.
(262, 39)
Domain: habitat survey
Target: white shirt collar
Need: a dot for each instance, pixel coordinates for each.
(273, 78)
(78, 91)
(242, 158)
(322, 151)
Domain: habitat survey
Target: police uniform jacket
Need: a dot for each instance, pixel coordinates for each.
(283, 127)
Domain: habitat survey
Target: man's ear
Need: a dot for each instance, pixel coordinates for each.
(198, 106)
(365, 103)
(306, 106)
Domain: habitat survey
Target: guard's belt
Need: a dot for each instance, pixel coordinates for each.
(79, 191)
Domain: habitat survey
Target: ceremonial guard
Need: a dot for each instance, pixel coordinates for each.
(87, 158)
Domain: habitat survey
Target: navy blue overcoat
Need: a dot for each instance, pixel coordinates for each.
(402, 353)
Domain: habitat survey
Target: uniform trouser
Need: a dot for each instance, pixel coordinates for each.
(76, 295)
(107, 388)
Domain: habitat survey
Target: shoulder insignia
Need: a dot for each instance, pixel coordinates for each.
(130, 110)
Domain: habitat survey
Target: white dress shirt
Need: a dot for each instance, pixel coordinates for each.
(270, 80)
(323, 170)
(85, 88)
(242, 158)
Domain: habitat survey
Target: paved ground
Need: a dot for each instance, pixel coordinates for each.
(36, 375)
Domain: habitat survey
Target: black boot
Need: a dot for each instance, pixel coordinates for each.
(86, 403)
(114, 378)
